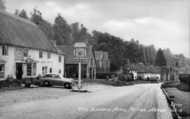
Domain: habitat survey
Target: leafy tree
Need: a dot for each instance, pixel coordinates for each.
(22, 14)
(132, 51)
(44, 25)
(62, 31)
(80, 33)
(16, 12)
(113, 45)
(2, 5)
(160, 58)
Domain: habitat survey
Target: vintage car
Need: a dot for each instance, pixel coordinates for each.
(56, 79)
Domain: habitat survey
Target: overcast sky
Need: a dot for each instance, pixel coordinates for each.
(164, 23)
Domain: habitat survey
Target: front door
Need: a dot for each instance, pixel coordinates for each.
(19, 70)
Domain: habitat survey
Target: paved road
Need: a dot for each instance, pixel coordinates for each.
(143, 101)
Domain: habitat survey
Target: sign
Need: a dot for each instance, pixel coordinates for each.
(80, 50)
(29, 60)
(79, 53)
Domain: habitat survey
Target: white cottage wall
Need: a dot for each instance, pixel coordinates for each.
(52, 62)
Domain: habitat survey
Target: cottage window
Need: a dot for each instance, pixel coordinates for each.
(49, 55)
(40, 54)
(25, 52)
(59, 58)
(44, 70)
(50, 70)
(4, 50)
(29, 69)
(34, 69)
(2, 70)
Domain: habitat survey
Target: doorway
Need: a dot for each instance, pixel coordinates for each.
(19, 70)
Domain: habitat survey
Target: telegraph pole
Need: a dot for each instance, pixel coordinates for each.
(79, 75)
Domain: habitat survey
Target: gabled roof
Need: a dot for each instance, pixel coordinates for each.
(19, 32)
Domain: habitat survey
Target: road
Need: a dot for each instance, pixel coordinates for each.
(142, 101)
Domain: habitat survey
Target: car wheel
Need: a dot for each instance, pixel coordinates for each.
(27, 85)
(47, 83)
(67, 85)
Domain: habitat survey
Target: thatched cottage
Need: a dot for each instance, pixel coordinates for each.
(25, 51)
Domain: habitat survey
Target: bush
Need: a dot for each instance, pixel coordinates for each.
(125, 77)
(10, 82)
(185, 78)
(104, 75)
(170, 84)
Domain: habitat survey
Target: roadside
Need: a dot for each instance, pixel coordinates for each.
(118, 82)
(18, 84)
(178, 99)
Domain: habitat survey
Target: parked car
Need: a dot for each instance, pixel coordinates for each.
(56, 79)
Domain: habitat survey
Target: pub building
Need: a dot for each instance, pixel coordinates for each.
(25, 51)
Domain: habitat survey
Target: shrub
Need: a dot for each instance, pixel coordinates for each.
(185, 78)
(105, 75)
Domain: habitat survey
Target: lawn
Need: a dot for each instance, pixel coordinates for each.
(181, 97)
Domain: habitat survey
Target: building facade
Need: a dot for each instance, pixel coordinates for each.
(25, 51)
(88, 64)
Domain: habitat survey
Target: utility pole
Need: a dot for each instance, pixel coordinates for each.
(79, 75)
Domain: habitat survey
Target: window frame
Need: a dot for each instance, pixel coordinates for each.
(2, 71)
(29, 69)
(5, 50)
(40, 54)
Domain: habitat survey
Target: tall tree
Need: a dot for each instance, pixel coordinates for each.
(80, 33)
(62, 31)
(2, 5)
(160, 58)
(44, 25)
(113, 45)
(22, 14)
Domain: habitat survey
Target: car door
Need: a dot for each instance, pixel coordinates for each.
(57, 80)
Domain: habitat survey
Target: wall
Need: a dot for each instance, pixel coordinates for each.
(53, 62)
(50, 63)
(10, 62)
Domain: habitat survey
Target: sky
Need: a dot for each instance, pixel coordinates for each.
(163, 23)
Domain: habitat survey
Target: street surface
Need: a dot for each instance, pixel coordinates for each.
(142, 101)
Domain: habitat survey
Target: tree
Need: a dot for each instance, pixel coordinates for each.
(44, 25)
(2, 5)
(111, 44)
(22, 14)
(62, 31)
(80, 33)
(160, 58)
(16, 12)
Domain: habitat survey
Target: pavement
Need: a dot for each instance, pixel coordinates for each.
(142, 101)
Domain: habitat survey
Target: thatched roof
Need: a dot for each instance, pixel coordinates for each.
(19, 32)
